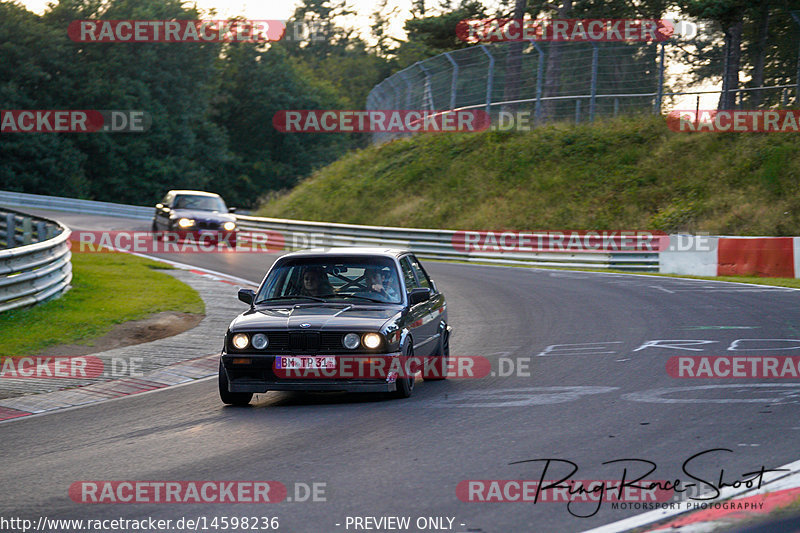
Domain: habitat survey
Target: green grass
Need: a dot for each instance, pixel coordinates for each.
(627, 173)
(107, 289)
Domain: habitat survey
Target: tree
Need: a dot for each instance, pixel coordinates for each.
(514, 57)
(730, 14)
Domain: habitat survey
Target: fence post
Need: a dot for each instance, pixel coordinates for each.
(537, 113)
(595, 52)
(426, 91)
(453, 82)
(577, 110)
(489, 80)
(660, 92)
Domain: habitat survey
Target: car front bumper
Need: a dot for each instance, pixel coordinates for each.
(260, 376)
(253, 385)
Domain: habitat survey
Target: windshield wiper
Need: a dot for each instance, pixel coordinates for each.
(295, 297)
(362, 298)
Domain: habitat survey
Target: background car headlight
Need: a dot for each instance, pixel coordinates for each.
(351, 341)
(371, 340)
(185, 223)
(229, 226)
(240, 341)
(260, 341)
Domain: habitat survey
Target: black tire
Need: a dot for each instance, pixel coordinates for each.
(231, 398)
(154, 231)
(405, 386)
(443, 354)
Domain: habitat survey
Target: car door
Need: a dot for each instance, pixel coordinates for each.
(435, 306)
(419, 317)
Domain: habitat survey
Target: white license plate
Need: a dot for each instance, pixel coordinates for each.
(305, 361)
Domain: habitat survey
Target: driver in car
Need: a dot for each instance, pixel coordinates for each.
(375, 284)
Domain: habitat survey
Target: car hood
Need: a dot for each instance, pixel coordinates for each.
(204, 216)
(324, 316)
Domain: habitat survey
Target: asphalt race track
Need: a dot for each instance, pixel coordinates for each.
(599, 398)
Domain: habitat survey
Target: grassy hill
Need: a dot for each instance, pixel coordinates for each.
(614, 174)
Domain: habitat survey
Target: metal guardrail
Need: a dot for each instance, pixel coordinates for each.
(437, 244)
(35, 266)
(426, 243)
(75, 205)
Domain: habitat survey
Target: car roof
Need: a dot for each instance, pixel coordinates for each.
(195, 193)
(349, 250)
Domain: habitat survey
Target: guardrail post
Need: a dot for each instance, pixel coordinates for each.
(41, 231)
(11, 230)
(27, 231)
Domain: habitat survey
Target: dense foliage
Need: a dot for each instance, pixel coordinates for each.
(212, 104)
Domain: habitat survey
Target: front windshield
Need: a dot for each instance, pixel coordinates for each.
(199, 203)
(359, 279)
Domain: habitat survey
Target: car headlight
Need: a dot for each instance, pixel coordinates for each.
(371, 340)
(351, 341)
(229, 226)
(240, 341)
(260, 341)
(185, 223)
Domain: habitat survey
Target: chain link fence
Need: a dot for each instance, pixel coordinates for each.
(551, 81)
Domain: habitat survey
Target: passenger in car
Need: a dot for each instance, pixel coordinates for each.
(315, 283)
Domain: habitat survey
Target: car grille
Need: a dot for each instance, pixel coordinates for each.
(203, 224)
(304, 342)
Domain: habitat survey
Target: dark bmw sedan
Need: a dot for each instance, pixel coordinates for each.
(341, 319)
(197, 214)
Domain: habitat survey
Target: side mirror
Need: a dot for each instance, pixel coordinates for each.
(419, 295)
(232, 209)
(247, 296)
